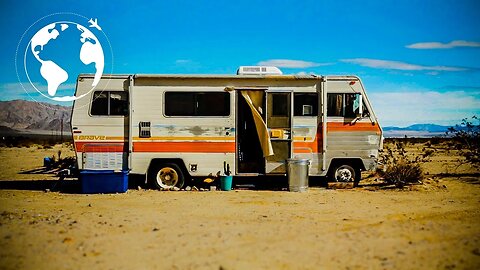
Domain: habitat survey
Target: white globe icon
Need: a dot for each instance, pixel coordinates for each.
(90, 52)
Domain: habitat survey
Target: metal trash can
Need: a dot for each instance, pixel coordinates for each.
(297, 172)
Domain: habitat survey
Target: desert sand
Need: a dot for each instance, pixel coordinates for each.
(433, 225)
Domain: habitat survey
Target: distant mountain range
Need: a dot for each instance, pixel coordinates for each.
(419, 127)
(417, 130)
(22, 116)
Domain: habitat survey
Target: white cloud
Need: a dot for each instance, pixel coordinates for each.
(304, 73)
(406, 108)
(16, 88)
(70, 87)
(187, 65)
(440, 45)
(182, 61)
(9, 91)
(288, 63)
(397, 65)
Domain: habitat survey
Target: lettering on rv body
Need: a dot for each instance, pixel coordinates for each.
(90, 137)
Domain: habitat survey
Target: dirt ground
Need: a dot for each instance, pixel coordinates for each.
(433, 225)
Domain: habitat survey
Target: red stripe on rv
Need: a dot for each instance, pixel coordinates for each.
(164, 147)
(185, 147)
(99, 147)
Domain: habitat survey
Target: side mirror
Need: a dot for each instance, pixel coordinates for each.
(358, 106)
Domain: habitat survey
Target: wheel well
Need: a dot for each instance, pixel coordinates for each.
(154, 163)
(356, 163)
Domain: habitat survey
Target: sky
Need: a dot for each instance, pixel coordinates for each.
(419, 60)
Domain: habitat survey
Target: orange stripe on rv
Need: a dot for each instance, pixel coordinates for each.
(171, 147)
(305, 147)
(185, 147)
(315, 146)
(190, 138)
(198, 146)
(340, 126)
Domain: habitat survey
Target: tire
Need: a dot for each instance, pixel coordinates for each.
(167, 175)
(345, 173)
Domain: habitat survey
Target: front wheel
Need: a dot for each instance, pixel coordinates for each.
(345, 173)
(167, 176)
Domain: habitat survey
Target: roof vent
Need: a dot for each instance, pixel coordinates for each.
(258, 70)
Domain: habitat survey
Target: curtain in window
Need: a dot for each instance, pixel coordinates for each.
(254, 100)
(338, 105)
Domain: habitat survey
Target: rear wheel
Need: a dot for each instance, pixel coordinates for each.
(345, 173)
(167, 175)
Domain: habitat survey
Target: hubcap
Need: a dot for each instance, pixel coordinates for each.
(343, 175)
(167, 177)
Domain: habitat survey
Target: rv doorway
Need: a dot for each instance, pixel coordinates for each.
(249, 151)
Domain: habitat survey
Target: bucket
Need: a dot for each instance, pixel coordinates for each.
(47, 162)
(297, 172)
(226, 182)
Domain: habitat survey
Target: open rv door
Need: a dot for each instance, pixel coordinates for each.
(279, 123)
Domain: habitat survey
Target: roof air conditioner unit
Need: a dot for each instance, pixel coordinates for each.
(258, 70)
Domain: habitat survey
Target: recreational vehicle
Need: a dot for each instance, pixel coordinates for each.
(171, 128)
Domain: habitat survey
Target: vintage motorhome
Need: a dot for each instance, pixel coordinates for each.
(174, 127)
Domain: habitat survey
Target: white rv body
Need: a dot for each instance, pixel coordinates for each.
(199, 122)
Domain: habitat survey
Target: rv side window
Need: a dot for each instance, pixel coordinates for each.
(110, 103)
(281, 106)
(341, 105)
(348, 109)
(305, 104)
(179, 104)
(100, 103)
(335, 105)
(213, 104)
(118, 103)
(197, 104)
(366, 113)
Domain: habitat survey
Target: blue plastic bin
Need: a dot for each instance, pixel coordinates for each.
(226, 183)
(47, 162)
(103, 181)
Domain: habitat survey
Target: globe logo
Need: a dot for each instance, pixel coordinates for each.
(90, 52)
(57, 53)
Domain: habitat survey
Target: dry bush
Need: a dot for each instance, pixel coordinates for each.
(400, 168)
(466, 140)
(403, 173)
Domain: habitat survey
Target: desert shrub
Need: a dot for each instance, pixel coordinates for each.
(428, 144)
(400, 168)
(427, 153)
(403, 173)
(436, 140)
(26, 144)
(66, 162)
(466, 139)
